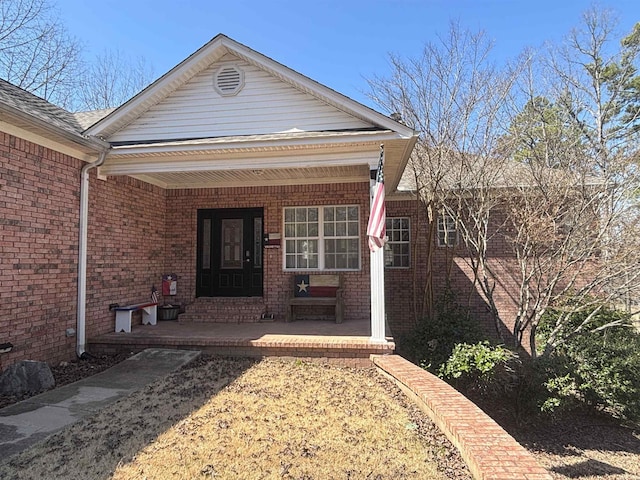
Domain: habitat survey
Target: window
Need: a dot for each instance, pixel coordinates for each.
(397, 248)
(322, 238)
(447, 231)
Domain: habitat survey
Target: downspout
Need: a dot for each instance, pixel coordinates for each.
(82, 254)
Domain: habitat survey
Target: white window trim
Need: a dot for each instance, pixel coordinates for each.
(443, 219)
(321, 238)
(408, 242)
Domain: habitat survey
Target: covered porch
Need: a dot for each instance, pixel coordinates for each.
(348, 343)
(259, 174)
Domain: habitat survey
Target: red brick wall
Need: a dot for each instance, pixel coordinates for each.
(126, 253)
(182, 207)
(39, 208)
(405, 287)
(39, 224)
(138, 231)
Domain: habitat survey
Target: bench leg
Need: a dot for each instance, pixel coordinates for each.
(123, 321)
(339, 312)
(150, 315)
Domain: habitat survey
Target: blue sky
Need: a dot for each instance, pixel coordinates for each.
(337, 43)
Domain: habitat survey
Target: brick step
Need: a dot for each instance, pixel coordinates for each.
(224, 310)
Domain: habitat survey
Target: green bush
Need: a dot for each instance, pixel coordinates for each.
(599, 369)
(480, 359)
(478, 368)
(433, 340)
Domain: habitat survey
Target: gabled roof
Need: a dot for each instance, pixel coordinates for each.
(25, 114)
(218, 47)
(34, 106)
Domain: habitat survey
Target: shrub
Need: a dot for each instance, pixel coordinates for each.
(600, 369)
(475, 367)
(433, 340)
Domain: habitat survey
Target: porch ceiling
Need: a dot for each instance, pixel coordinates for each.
(261, 160)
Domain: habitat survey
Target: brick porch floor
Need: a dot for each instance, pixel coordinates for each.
(346, 343)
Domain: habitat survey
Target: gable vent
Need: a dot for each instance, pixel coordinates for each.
(228, 81)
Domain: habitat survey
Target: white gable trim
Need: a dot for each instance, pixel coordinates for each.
(210, 53)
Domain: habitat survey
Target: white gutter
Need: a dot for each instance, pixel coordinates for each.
(82, 254)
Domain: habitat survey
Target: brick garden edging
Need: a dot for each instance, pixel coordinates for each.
(487, 449)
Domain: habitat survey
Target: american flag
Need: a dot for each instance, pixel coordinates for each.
(377, 228)
(154, 294)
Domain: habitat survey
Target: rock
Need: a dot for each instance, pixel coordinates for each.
(26, 376)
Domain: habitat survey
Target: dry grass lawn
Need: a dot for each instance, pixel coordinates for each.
(239, 419)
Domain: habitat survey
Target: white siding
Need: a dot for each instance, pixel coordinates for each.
(265, 105)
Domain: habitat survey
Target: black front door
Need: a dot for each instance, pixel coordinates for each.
(229, 253)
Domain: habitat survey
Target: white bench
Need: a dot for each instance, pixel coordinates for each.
(123, 315)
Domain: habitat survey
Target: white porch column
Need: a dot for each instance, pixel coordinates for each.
(378, 315)
(377, 297)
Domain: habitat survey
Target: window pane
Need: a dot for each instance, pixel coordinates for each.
(313, 230)
(301, 214)
(328, 213)
(341, 229)
(301, 230)
(352, 213)
(353, 229)
(291, 261)
(289, 230)
(330, 261)
(329, 229)
(206, 243)
(341, 213)
(289, 214)
(313, 214)
(330, 246)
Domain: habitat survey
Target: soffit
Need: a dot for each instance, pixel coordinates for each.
(261, 160)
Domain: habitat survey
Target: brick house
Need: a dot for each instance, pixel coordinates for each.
(232, 171)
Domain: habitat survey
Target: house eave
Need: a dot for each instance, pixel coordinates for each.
(31, 128)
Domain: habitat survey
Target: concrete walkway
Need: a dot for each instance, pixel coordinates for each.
(26, 423)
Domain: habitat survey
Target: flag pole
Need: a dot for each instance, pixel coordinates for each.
(376, 232)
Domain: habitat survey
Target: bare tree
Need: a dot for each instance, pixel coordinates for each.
(574, 221)
(459, 102)
(36, 52)
(112, 79)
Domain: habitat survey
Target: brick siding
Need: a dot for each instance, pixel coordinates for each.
(404, 288)
(39, 191)
(138, 231)
(182, 208)
(39, 208)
